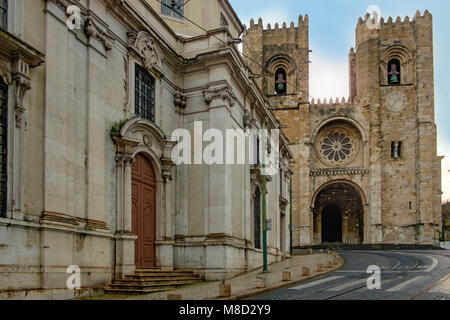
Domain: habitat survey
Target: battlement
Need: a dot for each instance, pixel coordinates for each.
(331, 102)
(406, 28)
(391, 22)
(303, 22)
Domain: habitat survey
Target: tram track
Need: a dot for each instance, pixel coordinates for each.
(401, 273)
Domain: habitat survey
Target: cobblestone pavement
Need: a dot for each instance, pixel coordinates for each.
(421, 275)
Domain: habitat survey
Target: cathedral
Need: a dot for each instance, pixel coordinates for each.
(91, 93)
(366, 167)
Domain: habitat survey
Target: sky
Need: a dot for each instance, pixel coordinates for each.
(332, 26)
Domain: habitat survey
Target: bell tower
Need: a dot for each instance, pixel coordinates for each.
(280, 56)
(280, 60)
(391, 70)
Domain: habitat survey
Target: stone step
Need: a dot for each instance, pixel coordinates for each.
(151, 285)
(155, 280)
(159, 274)
(136, 291)
(158, 270)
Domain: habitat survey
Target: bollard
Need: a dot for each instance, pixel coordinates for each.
(319, 267)
(173, 296)
(321, 251)
(310, 251)
(260, 282)
(305, 272)
(329, 264)
(287, 276)
(224, 290)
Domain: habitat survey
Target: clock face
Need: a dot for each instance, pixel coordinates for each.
(396, 101)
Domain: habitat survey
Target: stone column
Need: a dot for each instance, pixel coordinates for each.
(124, 239)
(123, 236)
(21, 84)
(165, 244)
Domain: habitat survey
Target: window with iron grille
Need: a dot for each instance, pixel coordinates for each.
(175, 10)
(4, 14)
(3, 145)
(144, 94)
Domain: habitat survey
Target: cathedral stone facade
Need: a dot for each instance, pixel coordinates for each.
(90, 94)
(366, 168)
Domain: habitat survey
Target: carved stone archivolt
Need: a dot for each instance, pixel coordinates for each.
(404, 56)
(142, 135)
(146, 49)
(338, 172)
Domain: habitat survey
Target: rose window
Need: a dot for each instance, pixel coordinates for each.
(337, 146)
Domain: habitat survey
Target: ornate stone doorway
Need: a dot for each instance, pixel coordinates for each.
(332, 223)
(143, 188)
(338, 214)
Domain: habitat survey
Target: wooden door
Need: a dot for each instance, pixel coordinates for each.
(144, 212)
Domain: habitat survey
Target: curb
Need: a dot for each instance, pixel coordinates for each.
(279, 286)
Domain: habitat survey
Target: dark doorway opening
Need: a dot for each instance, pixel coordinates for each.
(331, 224)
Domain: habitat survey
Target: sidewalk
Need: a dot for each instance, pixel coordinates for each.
(244, 285)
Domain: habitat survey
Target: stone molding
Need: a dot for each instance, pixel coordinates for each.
(23, 84)
(223, 93)
(93, 31)
(338, 172)
(145, 47)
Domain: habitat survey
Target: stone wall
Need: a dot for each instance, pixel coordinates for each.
(82, 136)
(402, 193)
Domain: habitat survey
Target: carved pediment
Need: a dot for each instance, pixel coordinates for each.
(146, 48)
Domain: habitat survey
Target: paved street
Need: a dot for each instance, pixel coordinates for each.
(422, 275)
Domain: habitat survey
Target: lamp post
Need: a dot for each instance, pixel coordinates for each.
(290, 214)
(264, 149)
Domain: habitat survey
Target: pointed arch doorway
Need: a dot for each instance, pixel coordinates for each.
(143, 188)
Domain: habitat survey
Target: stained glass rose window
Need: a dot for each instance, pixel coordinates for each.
(337, 145)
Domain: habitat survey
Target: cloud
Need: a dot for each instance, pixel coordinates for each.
(328, 77)
(268, 15)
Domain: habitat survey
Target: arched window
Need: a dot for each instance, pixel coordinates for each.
(280, 81)
(394, 71)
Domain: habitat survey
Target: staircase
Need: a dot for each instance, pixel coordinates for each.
(152, 280)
